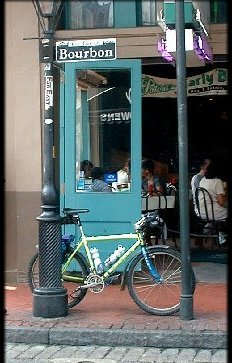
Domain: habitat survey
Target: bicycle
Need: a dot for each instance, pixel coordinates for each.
(153, 275)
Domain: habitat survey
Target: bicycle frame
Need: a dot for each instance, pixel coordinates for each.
(84, 241)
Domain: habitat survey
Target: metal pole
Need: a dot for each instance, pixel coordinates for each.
(50, 298)
(186, 302)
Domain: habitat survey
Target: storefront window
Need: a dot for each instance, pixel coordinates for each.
(146, 10)
(89, 14)
(103, 129)
(92, 14)
(218, 11)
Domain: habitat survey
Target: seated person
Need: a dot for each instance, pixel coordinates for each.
(152, 184)
(195, 181)
(86, 166)
(123, 177)
(98, 184)
(124, 173)
(215, 187)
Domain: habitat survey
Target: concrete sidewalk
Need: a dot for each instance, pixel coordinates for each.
(112, 318)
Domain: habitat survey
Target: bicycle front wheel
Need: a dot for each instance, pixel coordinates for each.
(157, 298)
(73, 278)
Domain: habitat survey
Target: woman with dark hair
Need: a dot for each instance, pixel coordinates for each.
(216, 188)
(152, 184)
(86, 166)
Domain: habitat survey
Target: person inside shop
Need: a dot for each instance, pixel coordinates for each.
(123, 178)
(216, 188)
(98, 184)
(195, 181)
(152, 184)
(124, 173)
(86, 166)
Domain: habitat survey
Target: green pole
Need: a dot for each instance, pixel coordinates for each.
(186, 302)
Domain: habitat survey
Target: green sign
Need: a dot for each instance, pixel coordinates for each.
(214, 82)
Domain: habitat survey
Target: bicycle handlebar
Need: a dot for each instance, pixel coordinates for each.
(140, 223)
(72, 216)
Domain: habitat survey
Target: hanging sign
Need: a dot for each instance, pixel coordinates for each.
(158, 87)
(86, 50)
(48, 92)
(214, 82)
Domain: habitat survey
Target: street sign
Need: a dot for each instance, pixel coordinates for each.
(86, 50)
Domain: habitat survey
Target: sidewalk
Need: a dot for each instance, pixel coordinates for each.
(112, 318)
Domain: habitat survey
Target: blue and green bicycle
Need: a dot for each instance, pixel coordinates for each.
(153, 274)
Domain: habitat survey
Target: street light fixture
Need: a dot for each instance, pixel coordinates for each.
(50, 10)
(50, 298)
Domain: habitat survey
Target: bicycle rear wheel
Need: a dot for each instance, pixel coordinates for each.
(77, 270)
(157, 298)
(73, 277)
(33, 272)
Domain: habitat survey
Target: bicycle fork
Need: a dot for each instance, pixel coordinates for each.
(155, 274)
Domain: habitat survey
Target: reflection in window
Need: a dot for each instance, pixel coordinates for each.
(89, 14)
(103, 126)
(148, 12)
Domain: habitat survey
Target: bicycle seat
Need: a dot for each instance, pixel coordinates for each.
(71, 212)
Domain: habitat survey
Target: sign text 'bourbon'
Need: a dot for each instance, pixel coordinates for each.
(86, 50)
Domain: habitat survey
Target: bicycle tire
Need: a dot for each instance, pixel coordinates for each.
(152, 297)
(33, 272)
(80, 268)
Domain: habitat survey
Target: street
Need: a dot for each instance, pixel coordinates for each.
(41, 353)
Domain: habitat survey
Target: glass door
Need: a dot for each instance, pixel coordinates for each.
(101, 161)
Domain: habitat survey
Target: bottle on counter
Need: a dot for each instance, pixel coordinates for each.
(81, 181)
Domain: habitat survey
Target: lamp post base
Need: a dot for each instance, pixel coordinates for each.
(186, 307)
(50, 297)
(50, 302)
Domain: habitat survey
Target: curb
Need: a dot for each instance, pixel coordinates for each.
(117, 337)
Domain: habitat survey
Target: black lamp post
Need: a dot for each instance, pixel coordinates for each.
(50, 298)
(186, 301)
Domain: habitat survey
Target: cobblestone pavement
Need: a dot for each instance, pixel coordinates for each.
(19, 352)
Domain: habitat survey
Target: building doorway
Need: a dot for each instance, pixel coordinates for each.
(207, 118)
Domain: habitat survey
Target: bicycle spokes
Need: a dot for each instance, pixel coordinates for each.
(162, 297)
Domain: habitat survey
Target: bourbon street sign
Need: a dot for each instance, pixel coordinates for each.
(86, 50)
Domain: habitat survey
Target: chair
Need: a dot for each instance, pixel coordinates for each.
(157, 207)
(151, 204)
(207, 225)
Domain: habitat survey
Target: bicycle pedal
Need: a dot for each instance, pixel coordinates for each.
(74, 294)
